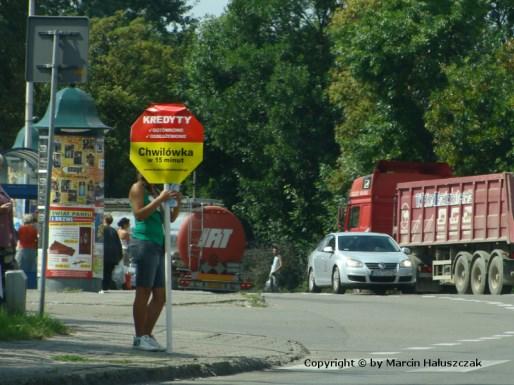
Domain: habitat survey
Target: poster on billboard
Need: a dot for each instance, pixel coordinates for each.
(78, 171)
(71, 242)
(76, 198)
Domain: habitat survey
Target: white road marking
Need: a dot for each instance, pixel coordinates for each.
(485, 364)
(385, 353)
(477, 340)
(420, 348)
(489, 338)
(302, 367)
(447, 344)
(508, 332)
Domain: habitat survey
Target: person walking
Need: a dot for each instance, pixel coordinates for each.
(276, 266)
(146, 249)
(26, 255)
(112, 252)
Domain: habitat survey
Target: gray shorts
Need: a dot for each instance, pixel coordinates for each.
(149, 260)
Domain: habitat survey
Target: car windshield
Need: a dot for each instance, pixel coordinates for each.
(369, 243)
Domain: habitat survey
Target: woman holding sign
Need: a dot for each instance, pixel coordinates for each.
(147, 251)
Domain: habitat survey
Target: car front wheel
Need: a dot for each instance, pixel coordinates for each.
(337, 288)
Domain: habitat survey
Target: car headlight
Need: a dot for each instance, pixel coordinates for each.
(350, 262)
(406, 263)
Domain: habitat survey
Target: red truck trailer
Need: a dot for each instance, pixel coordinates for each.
(461, 228)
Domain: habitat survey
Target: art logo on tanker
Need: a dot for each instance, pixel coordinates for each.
(166, 143)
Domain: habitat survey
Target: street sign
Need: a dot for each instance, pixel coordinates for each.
(72, 53)
(166, 143)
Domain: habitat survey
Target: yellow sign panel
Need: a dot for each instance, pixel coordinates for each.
(166, 143)
(166, 162)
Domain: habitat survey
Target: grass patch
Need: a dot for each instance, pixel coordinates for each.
(254, 300)
(70, 358)
(74, 358)
(28, 327)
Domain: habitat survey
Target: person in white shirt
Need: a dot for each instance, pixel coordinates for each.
(276, 266)
(124, 234)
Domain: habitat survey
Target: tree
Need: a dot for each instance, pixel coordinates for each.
(389, 59)
(256, 79)
(130, 67)
(161, 13)
(12, 77)
(472, 119)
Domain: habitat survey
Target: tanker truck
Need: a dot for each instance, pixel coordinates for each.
(458, 230)
(210, 246)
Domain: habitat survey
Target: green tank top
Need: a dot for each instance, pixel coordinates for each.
(151, 228)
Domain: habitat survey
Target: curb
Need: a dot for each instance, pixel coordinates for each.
(118, 375)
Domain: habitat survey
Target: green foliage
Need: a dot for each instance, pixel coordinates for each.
(256, 265)
(12, 74)
(256, 79)
(70, 358)
(254, 300)
(472, 119)
(161, 13)
(258, 259)
(389, 57)
(130, 68)
(24, 327)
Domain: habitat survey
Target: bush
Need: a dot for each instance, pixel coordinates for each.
(257, 265)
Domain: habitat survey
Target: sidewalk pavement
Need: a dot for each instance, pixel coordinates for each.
(99, 351)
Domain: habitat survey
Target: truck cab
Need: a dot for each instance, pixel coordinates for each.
(370, 204)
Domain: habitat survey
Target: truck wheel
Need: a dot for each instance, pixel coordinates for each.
(462, 276)
(312, 283)
(495, 277)
(337, 288)
(478, 276)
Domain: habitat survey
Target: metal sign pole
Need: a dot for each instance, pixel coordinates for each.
(50, 149)
(29, 113)
(29, 97)
(168, 275)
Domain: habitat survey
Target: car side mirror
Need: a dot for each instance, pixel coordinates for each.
(328, 249)
(405, 250)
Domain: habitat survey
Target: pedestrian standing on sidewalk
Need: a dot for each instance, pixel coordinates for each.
(147, 252)
(124, 234)
(26, 255)
(112, 252)
(276, 266)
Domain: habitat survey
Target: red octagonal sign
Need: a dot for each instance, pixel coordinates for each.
(166, 143)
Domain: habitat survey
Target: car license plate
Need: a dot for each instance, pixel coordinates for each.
(383, 273)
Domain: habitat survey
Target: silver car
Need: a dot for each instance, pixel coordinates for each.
(360, 260)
